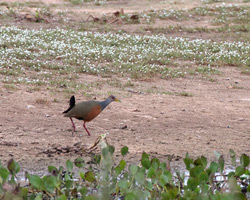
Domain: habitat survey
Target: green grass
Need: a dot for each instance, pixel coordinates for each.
(31, 4)
(185, 94)
(10, 86)
(226, 18)
(219, 14)
(80, 2)
(108, 54)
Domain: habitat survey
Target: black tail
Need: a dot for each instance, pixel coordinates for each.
(72, 103)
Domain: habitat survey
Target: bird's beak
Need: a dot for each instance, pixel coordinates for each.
(117, 100)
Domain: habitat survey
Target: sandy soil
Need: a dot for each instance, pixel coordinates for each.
(215, 118)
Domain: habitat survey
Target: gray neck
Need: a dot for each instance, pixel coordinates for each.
(105, 103)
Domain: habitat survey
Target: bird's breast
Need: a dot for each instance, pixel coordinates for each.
(94, 112)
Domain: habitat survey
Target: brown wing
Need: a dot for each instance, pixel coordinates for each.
(85, 110)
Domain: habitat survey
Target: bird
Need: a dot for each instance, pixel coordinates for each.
(86, 110)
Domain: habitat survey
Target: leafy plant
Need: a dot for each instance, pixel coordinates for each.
(107, 178)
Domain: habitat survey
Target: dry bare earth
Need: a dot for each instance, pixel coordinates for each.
(215, 117)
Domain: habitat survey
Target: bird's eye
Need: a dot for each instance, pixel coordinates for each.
(113, 97)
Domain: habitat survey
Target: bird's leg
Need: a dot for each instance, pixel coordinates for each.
(73, 125)
(85, 128)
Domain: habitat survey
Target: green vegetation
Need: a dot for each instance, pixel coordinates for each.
(220, 14)
(95, 2)
(106, 178)
(50, 55)
(232, 21)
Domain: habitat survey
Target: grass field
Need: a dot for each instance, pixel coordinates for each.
(181, 69)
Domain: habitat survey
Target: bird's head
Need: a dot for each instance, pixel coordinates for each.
(113, 98)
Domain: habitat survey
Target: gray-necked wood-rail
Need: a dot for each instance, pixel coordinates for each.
(86, 110)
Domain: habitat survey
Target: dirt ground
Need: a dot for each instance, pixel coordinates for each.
(214, 118)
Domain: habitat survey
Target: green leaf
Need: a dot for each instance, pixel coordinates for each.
(68, 184)
(92, 197)
(38, 198)
(171, 194)
(24, 192)
(233, 186)
(239, 171)
(133, 169)
(13, 166)
(122, 164)
(197, 162)
(97, 159)
(83, 190)
(247, 172)
(214, 167)
(203, 177)
(204, 187)
(188, 163)
(52, 168)
(140, 178)
(230, 174)
(130, 196)
(238, 195)
(151, 172)
(146, 194)
(90, 176)
(61, 197)
(66, 176)
(145, 163)
(118, 170)
(50, 183)
(195, 171)
(155, 162)
(168, 174)
(142, 169)
(82, 175)
(163, 166)
(192, 183)
(123, 184)
(105, 151)
(233, 157)
(221, 162)
(35, 181)
(164, 179)
(248, 188)
(4, 173)
(149, 185)
(204, 162)
(69, 165)
(145, 156)
(124, 150)
(158, 173)
(244, 160)
(111, 149)
(217, 155)
(79, 162)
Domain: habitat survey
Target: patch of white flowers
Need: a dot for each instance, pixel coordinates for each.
(38, 50)
(221, 13)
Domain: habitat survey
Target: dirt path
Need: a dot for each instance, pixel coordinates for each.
(215, 117)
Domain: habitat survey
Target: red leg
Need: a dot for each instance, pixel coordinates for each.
(85, 128)
(73, 125)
